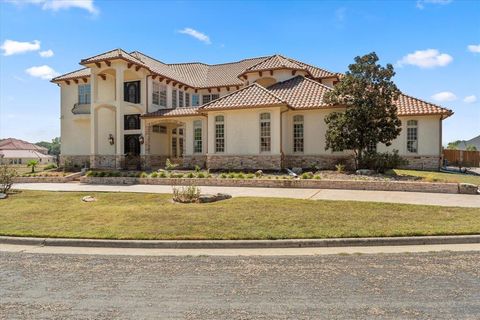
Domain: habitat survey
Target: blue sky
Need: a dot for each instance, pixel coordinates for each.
(434, 44)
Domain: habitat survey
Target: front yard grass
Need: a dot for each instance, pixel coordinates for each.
(434, 176)
(154, 216)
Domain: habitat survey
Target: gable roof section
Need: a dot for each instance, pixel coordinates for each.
(408, 105)
(113, 54)
(301, 93)
(252, 96)
(17, 144)
(275, 62)
(80, 73)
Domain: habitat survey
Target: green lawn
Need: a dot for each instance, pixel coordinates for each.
(434, 176)
(154, 216)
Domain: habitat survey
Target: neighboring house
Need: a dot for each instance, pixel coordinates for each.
(15, 151)
(463, 144)
(259, 113)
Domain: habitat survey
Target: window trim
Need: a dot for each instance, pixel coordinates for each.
(409, 126)
(303, 133)
(138, 93)
(174, 98)
(260, 120)
(84, 95)
(198, 124)
(215, 134)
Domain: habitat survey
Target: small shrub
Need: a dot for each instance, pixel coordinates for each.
(143, 175)
(307, 175)
(7, 174)
(187, 194)
(317, 177)
(190, 175)
(49, 166)
(340, 167)
(231, 175)
(197, 168)
(162, 174)
(90, 173)
(101, 174)
(116, 174)
(381, 161)
(223, 176)
(201, 175)
(170, 165)
(176, 175)
(240, 175)
(33, 164)
(154, 175)
(250, 176)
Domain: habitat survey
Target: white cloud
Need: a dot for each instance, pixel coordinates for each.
(43, 72)
(11, 47)
(444, 96)
(56, 5)
(474, 48)
(470, 99)
(196, 34)
(46, 54)
(421, 3)
(429, 58)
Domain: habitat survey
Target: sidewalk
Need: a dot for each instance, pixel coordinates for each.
(436, 199)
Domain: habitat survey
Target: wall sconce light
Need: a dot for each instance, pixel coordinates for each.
(141, 139)
(111, 139)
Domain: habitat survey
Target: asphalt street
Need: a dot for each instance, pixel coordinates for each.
(431, 285)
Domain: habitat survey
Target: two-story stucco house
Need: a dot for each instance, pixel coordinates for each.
(128, 109)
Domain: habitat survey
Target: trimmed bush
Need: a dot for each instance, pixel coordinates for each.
(162, 174)
(201, 175)
(154, 175)
(381, 161)
(250, 176)
(307, 175)
(223, 176)
(240, 175)
(50, 166)
(143, 175)
(190, 175)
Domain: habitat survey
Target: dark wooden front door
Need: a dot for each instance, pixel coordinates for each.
(132, 152)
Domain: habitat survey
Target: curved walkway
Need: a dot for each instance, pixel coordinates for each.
(436, 199)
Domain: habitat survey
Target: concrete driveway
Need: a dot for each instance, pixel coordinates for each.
(436, 199)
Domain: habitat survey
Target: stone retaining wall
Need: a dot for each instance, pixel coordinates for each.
(271, 183)
(78, 160)
(423, 163)
(244, 162)
(64, 179)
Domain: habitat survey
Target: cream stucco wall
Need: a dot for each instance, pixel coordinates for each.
(242, 131)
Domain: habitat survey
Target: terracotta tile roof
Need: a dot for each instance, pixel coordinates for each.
(178, 112)
(410, 106)
(275, 62)
(113, 54)
(300, 92)
(81, 73)
(17, 144)
(252, 96)
(316, 71)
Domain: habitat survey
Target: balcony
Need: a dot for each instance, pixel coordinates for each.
(80, 109)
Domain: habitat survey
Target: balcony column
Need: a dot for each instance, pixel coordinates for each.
(93, 120)
(119, 143)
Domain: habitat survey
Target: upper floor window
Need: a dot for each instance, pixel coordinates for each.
(180, 99)
(265, 133)
(174, 98)
(219, 134)
(197, 136)
(84, 94)
(131, 91)
(298, 133)
(195, 100)
(187, 99)
(156, 93)
(206, 98)
(131, 121)
(412, 136)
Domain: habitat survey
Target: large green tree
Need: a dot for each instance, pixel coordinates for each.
(368, 94)
(53, 147)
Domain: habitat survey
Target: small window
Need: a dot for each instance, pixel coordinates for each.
(206, 98)
(84, 94)
(265, 133)
(197, 136)
(412, 136)
(163, 96)
(174, 147)
(180, 99)
(156, 93)
(131, 122)
(298, 145)
(174, 98)
(215, 96)
(159, 129)
(187, 99)
(131, 91)
(195, 100)
(219, 134)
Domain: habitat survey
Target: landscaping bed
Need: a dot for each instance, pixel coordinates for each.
(155, 216)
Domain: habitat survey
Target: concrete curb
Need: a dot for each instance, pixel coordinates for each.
(237, 244)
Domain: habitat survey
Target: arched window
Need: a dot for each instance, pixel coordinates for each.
(298, 133)
(132, 91)
(265, 133)
(197, 136)
(219, 134)
(412, 136)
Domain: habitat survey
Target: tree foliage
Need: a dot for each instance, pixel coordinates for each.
(368, 94)
(53, 147)
(32, 164)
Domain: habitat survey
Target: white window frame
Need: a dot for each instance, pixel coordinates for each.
(187, 99)
(197, 124)
(217, 122)
(264, 134)
(295, 121)
(83, 94)
(174, 98)
(412, 124)
(197, 97)
(156, 93)
(181, 99)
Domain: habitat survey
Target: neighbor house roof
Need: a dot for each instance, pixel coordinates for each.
(251, 96)
(24, 154)
(17, 144)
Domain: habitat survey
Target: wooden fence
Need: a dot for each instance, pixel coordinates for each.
(461, 157)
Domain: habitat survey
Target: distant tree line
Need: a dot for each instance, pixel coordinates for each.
(53, 147)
